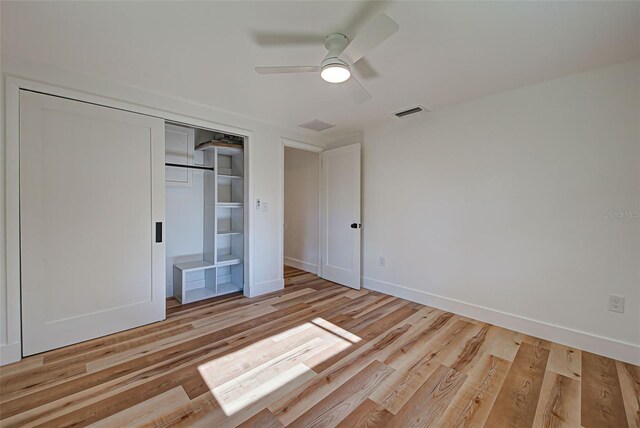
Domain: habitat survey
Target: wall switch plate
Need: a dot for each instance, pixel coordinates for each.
(382, 262)
(257, 204)
(265, 207)
(616, 303)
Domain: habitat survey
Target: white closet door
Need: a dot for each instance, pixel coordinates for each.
(340, 226)
(91, 192)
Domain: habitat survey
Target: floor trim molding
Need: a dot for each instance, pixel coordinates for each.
(299, 264)
(10, 353)
(265, 287)
(612, 348)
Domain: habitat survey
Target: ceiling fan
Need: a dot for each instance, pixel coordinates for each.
(343, 53)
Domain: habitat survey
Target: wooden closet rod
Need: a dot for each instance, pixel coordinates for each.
(177, 165)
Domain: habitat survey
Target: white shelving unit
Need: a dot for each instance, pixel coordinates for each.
(229, 226)
(222, 266)
(191, 291)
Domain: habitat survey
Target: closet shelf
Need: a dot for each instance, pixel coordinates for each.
(198, 294)
(229, 232)
(230, 204)
(228, 260)
(224, 148)
(194, 266)
(228, 287)
(229, 176)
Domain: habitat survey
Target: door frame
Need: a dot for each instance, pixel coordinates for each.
(12, 350)
(286, 142)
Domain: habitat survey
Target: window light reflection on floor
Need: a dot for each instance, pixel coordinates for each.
(241, 378)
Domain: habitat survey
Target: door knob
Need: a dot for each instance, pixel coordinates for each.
(355, 225)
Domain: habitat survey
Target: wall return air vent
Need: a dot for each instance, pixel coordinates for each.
(412, 110)
(317, 125)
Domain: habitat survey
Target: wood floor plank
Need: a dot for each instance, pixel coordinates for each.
(602, 403)
(264, 419)
(369, 414)
(148, 413)
(518, 398)
(416, 366)
(421, 338)
(472, 404)
(500, 342)
(430, 401)
(207, 412)
(302, 398)
(565, 361)
(630, 386)
(559, 404)
(20, 384)
(301, 356)
(22, 366)
(471, 351)
(366, 334)
(334, 408)
(250, 380)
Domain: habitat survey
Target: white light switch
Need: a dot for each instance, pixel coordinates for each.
(265, 207)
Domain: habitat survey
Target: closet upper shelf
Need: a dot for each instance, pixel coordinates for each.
(230, 204)
(223, 148)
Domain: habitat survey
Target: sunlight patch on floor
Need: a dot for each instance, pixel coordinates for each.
(253, 373)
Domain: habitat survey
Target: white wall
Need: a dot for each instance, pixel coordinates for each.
(500, 206)
(301, 208)
(264, 166)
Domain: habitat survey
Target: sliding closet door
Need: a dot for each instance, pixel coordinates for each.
(91, 192)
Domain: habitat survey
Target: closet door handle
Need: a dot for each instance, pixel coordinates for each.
(158, 232)
(356, 225)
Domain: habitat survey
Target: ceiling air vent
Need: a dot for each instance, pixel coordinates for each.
(412, 110)
(317, 125)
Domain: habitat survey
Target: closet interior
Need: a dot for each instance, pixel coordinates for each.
(205, 213)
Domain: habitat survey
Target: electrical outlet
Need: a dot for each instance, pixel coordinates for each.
(382, 262)
(616, 303)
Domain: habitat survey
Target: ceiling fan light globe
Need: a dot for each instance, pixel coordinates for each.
(335, 73)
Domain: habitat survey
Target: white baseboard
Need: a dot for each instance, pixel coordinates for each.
(299, 264)
(612, 348)
(265, 287)
(10, 353)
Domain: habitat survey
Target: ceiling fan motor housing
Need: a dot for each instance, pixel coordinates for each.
(336, 43)
(333, 69)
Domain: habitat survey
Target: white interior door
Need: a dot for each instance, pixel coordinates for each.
(91, 192)
(340, 223)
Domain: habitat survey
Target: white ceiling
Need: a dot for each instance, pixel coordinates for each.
(444, 52)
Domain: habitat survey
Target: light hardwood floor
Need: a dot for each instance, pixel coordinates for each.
(318, 354)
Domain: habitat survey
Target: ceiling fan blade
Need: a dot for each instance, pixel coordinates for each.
(357, 92)
(267, 39)
(288, 69)
(365, 11)
(364, 69)
(374, 33)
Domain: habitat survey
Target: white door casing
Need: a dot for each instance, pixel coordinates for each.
(340, 228)
(91, 193)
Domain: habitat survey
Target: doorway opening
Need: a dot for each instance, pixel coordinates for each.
(301, 209)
